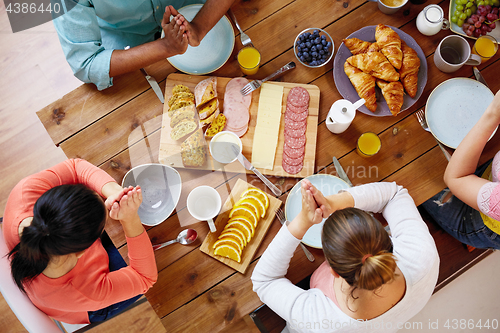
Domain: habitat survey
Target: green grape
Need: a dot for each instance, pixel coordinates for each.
(468, 12)
(473, 9)
(460, 22)
(463, 16)
(480, 3)
(462, 2)
(454, 19)
(459, 7)
(468, 5)
(457, 13)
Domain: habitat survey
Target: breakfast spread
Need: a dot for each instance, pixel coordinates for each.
(243, 220)
(389, 63)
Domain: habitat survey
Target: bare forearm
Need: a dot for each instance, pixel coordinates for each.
(124, 61)
(132, 227)
(208, 16)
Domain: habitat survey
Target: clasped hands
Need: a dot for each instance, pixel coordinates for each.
(179, 32)
(123, 205)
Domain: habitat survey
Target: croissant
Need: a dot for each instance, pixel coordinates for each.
(357, 46)
(376, 64)
(364, 85)
(409, 70)
(390, 44)
(393, 94)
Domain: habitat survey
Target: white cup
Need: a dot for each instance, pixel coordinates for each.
(452, 53)
(431, 20)
(341, 115)
(390, 6)
(204, 203)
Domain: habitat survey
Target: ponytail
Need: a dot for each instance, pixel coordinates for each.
(359, 249)
(66, 219)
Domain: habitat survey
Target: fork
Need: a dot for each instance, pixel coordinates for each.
(245, 40)
(421, 119)
(255, 84)
(281, 217)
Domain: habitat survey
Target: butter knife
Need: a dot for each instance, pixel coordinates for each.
(243, 160)
(340, 171)
(154, 85)
(478, 76)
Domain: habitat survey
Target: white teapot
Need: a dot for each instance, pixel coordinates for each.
(341, 115)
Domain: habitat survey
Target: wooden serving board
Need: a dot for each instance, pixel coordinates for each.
(221, 221)
(170, 150)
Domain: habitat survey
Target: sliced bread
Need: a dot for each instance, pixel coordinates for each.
(207, 109)
(183, 128)
(186, 112)
(194, 150)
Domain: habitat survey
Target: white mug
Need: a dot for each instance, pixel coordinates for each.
(452, 53)
(203, 203)
(390, 6)
(431, 20)
(341, 115)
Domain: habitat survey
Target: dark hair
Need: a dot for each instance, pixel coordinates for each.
(358, 249)
(66, 219)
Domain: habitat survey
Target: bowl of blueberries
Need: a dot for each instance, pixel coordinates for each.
(313, 47)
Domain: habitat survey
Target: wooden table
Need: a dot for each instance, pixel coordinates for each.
(120, 127)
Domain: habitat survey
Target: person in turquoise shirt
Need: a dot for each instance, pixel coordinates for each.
(94, 33)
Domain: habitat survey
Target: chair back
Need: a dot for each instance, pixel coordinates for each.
(34, 320)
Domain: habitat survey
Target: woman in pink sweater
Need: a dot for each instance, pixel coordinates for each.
(52, 226)
(472, 213)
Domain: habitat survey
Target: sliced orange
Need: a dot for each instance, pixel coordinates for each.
(228, 251)
(259, 193)
(235, 233)
(228, 240)
(240, 225)
(243, 219)
(245, 211)
(253, 201)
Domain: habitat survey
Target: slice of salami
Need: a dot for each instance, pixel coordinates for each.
(295, 133)
(294, 152)
(292, 161)
(292, 169)
(297, 116)
(295, 142)
(296, 109)
(298, 96)
(291, 124)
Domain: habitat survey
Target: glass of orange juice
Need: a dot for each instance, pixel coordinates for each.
(249, 60)
(486, 47)
(368, 144)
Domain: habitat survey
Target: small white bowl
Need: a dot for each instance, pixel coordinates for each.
(161, 189)
(221, 147)
(328, 38)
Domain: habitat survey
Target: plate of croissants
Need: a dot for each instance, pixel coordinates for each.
(383, 65)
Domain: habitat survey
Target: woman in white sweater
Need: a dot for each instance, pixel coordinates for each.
(370, 282)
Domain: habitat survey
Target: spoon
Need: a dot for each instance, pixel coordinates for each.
(185, 237)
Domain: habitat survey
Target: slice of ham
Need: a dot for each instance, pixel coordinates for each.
(236, 106)
(233, 94)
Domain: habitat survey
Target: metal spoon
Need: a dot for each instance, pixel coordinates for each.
(186, 236)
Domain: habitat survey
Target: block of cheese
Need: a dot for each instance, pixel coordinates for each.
(267, 126)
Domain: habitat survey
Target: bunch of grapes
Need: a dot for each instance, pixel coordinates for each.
(482, 22)
(464, 9)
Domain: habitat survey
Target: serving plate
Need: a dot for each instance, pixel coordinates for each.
(458, 30)
(345, 87)
(454, 107)
(223, 217)
(214, 49)
(328, 185)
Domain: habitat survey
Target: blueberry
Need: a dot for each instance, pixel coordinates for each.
(319, 47)
(302, 45)
(314, 54)
(317, 40)
(323, 37)
(299, 49)
(307, 34)
(321, 52)
(302, 59)
(299, 54)
(328, 44)
(323, 42)
(313, 49)
(305, 54)
(316, 32)
(314, 63)
(308, 44)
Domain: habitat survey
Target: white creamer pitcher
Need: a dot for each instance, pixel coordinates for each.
(341, 115)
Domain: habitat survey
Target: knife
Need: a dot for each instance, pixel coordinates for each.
(478, 76)
(340, 171)
(243, 160)
(154, 85)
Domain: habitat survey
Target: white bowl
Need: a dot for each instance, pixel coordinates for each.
(321, 32)
(221, 147)
(161, 190)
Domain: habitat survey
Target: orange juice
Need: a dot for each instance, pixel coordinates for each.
(368, 144)
(485, 47)
(249, 60)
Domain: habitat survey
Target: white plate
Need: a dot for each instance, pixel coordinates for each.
(214, 49)
(161, 189)
(454, 107)
(345, 87)
(328, 185)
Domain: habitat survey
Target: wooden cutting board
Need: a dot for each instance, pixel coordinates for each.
(170, 150)
(260, 230)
